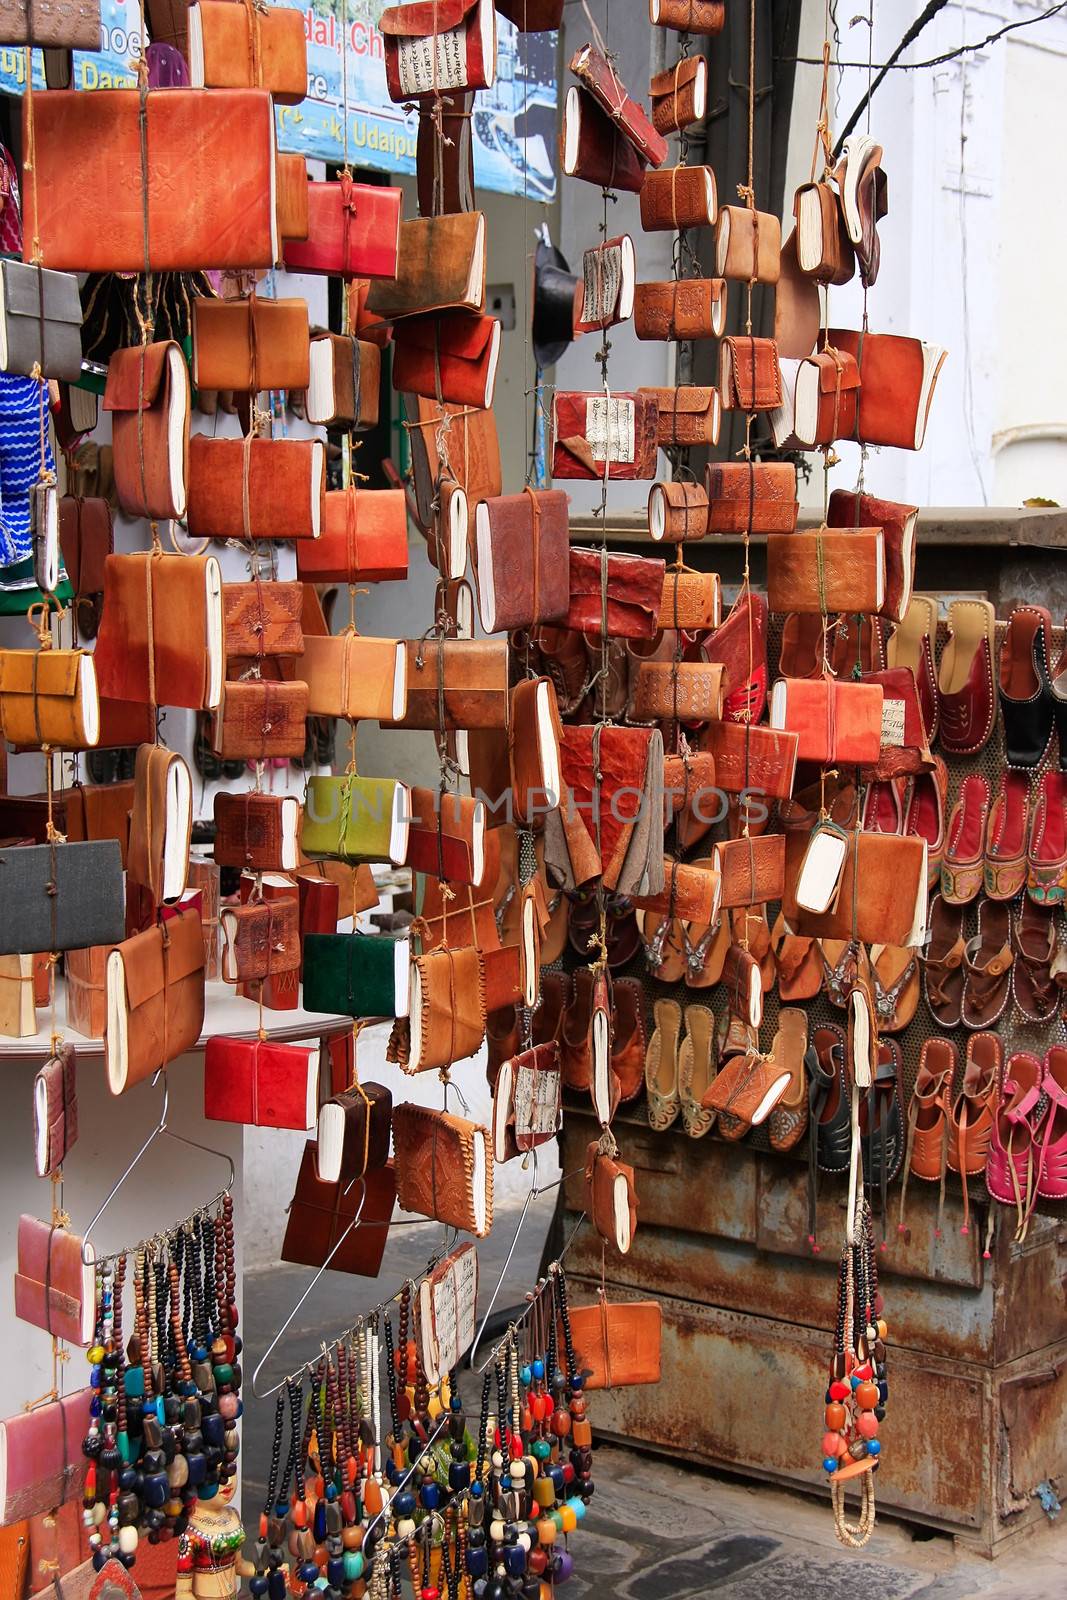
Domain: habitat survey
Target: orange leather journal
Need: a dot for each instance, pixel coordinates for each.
(250, 344)
(286, 485)
(147, 394)
(248, 47)
(365, 539)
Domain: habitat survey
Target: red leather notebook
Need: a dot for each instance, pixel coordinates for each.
(260, 1084)
(898, 524)
(446, 837)
(41, 1461)
(364, 540)
(53, 1287)
(522, 559)
(592, 148)
(438, 45)
(834, 721)
(897, 380)
(215, 147)
(597, 74)
(162, 630)
(319, 1214)
(353, 231)
(450, 356)
(286, 485)
(597, 435)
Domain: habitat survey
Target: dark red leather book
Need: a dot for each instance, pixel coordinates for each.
(596, 73)
(451, 356)
(592, 148)
(597, 435)
(353, 231)
(438, 45)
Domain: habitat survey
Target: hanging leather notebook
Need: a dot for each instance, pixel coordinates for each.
(43, 1462)
(244, 47)
(261, 939)
(261, 1084)
(678, 198)
(440, 266)
(444, 1168)
(155, 999)
(470, 675)
(353, 231)
(257, 832)
(251, 344)
(257, 489)
(147, 393)
(260, 719)
(263, 619)
(53, 1284)
(356, 818)
(357, 974)
(161, 632)
(69, 896)
(319, 1214)
(49, 698)
(55, 1110)
(353, 676)
(683, 308)
(449, 44)
(364, 539)
(345, 382)
(354, 1130)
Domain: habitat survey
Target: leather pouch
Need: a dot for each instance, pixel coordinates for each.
(679, 95)
(757, 496)
(611, 1198)
(447, 1007)
(825, 571)
(353, 231)
(748, 245)
(751, 759)
(824, 249)
(263, 619)
(155, 999)
(49, 698)
(68, 896)
(617, 1342)
(686, 416)
(527, 1101)
(677, 512)
(683, 308)
(260, 1083)
(86, 539)
(261, 939)
(750, 378)
(364, 540)
(752, 869)
(253, 344)
(453, 31)
(450, 356)
(354, 1129)
(350, 675)
(678, 691)
(634, 594)
(357, 974)
(53, 1286)
(692, 601)
(161, 823)
(257, 832)
(43, 1460)
(260, 719)
(320, 1213)
(356, 818)
(55, 1110)
(598, 435)
(256, 488)
(161, 635)
(147, 393)
(444, 1168)
(470, 677)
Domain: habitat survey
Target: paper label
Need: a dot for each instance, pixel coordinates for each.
(455, 1307)
(893, 724)
(537, 1096)
(415, 62)
(609, 428)
(602, 273)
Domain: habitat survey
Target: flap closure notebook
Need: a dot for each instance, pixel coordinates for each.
(356, 818)
(69, 896)
(250, 344)
(751, 869)
(750, 378)
(353, 231)
(678, 198)
(450, 356)
(448, 1311)
(677, 512)
(594, 148)
(598, 435)
(256, 488)
(53, 1285)
(345, 381)
(447, 1008)
(748, 245)
(50, 698)
(41, 1460)
(437, 45)
(440, 265)
(683, 308)
(260, 1083)
(55, 1110)
(40, 322)
(362, 679)
(522, 559)
(147, 393)
(317, 1227)
(446, 838)
(364, 540)
(679, 95)
(155, 999)
(619, 1343)
(161, 631)
(687, 415)
(261, 718)
(634, 593)
(879, 897)
(690, 891)
(897, 380)
(257, 832)
(611, 1198)
(444, 1168)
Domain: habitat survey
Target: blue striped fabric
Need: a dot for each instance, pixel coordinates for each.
(21, 403)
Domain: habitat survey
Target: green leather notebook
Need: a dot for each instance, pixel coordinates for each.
(357, 819)
(357, 974)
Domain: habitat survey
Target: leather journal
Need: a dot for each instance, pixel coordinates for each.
(527, 1101)
(446, 1007)
(686, 415)
(682, 308)
(49, 698)
(364, 539)
(689, 16)
(450, 356)
(147, 393)
(605, 294)
(594, 149)
(834, 721)
(353, 676)
(353, 231)
(256, 489)
(263, 619)
(446, 838)
(440, 266)
(824, 249)
(611, 1198)
(618, 1343)
(155, 999)
(438, 45)
(260, 719)
(750, 869)
(318, 1224)
(897, 380)
(679, 95)
(448, 1311)
(750, 378)
(354, 1129)
(40, 322)
(357, 974)
(469, 677)
(898, 524)
(677, 511)
(344, 382)
(261, 939)
(69, 896)
(161, 631)
(53, 1285)
(42, 1461)
(90, 145)
(250, 344)
(260, 1083)
(444, 1168)
(634, 593)
(161, 823)
(826, 571)
(599, 435)
(473, 453)
(676, 198)
(748, 245)
(244, 47)
(757, 496)
(291, 185)
(356, 818)
(18, 1014)
(55, 1110)
(878, 896)
(522, 559)
(257, 832)
(597, 75)
(751, 758)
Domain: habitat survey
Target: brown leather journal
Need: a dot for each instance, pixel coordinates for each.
(256, 488)
(751, 758)
(447, 1007)
(440, 265)
(689, 16)
(680, 309)
(691, 601)
(690, 891)
(291, 182)
(760, 496)
(345, 382)
(161, 632)
(86, 539)
(679, 95)
(362, 679)
(522, 557)
(246, 47)
(752, 869)
(260, 939)
(611, 1198)
(253, 343)
(748, 245)
(677, 512)
(750, 378)
(263, 619)
(55, 1110)
(687, 415)
(161, 823)
(470, 675)
(678, 691)
(259, 719)
(155, 999)
(634, 593)
(147, 393)
(320, 1213)
(824, 249)
(444, 1168)
(257, 832)
(826, 571)
(678, 197)
(617, 1342)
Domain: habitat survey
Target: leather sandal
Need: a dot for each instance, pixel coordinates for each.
(925, 808)
(696, 1070)
(963, 864)
(839, 961)
(1046, 854)
(895, 971)
(797, 964)
(829, 1115)
(928, 1115)
(863, 189)
(883, 807)
(1033, 937)
(1011, 1173)
(1058, 687)
(912, 645)
(881, 1119)
(973, 1112)
(859, 644)
(704, 946)
(564, 658)
(987, 963)
(942, 963)
(1052, 1169)
(664, 946)
(661, 1066)
(1025, 692)
(628, 1041)
(965, 680)
(1006, 837)
(788, 1121)
(575, 1042)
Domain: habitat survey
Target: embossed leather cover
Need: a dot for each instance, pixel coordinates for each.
(678, 691)
(147, 393)
(155, 985)
(364, 1113)
(677, 198)
(835, 722)
(825, 571)
(261, 939)
(261, 1084)
(353, 231)
(882, 892)
(687, 308)
(523, 559)
(154, 822)
(679, 95)
(243, 47)
(611, 1198)
(689, 891)
(692, 601)
(263, 619)
(447, 1006)
(434, 45)
(42, 321)
(474, 674)
(760, 496)
(677, 512)
(450, 356)
(260, 718)
(905, 748)
(437, 1168)
(285, 491)
(597, 435)
(53, 1287)
(181, 591)
(687, 415)
(351, 675)
(89, 145)
(897, 380)
(748, 245)
(55, 1110)
(750, 378)
(49, 697)
(291, 185)
(622, 840)
(355, 378)
(594, 149)
(445, 839)
(253, 343)
(364, 540)
(74, 25)
(752, 759)
(596, 74)
(250, 831)
(68, 896)
(752, 869)
(635, 592)
(618, 1342)
(319, 1214)
(897, 523)
(440, 266)
(43, 1464)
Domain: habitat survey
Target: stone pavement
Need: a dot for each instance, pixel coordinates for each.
(656, 1530)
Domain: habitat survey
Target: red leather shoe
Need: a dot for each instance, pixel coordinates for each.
(1046, 856)
(925, 798)
(1005, 839)
(965, 683)
(912, 645)
(964, 858)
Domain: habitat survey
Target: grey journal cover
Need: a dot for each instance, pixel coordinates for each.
(24, 291)
(88, 905)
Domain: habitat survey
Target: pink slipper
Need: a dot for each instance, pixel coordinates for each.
(1052, 1171)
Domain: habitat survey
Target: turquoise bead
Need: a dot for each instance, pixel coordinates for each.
(353, 1565)
(541, 1449)
(133, 1380)
(223, 1372)
(123, 1442)
(578, 1506)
